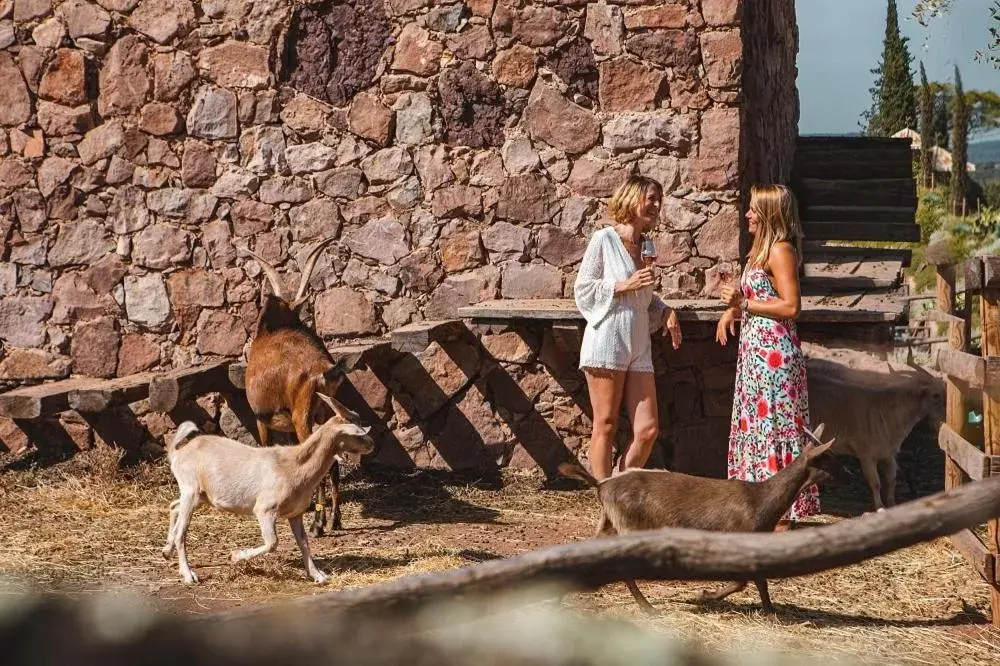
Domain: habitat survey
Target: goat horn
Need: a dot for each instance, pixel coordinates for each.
(815, 440)
(307, 273)
(269, 271)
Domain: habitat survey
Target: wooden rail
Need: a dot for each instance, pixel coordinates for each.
(966, 372)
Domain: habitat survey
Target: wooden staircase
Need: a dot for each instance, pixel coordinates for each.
(854, 189)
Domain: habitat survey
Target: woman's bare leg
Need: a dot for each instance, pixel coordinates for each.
(640, 402)
(606, 388)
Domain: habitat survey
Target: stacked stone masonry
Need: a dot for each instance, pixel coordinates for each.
(459, 151)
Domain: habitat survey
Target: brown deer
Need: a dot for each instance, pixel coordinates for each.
(645, 499)
(287, 366)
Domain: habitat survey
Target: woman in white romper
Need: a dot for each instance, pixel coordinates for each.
(616, 298)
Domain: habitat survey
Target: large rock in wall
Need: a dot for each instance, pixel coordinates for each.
(459, 151)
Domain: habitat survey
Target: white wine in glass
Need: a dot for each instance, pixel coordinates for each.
(648, 251)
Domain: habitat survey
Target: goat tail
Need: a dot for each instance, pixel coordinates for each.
(576, 471)
(185, 431)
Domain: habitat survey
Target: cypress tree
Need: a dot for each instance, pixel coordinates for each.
(926, 128)
(959, 145)
(894, 100)
(942, 118)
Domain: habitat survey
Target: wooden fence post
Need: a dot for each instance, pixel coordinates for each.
(956, 414)
(990, 310)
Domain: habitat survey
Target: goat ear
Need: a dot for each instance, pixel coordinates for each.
(356, 430)
(819, 430)
(338, 408)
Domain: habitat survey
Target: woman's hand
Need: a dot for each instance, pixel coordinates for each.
(640, 279)
(732, 297)
(726, 327)
(672, 327)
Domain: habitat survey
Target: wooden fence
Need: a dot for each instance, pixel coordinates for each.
(965, 457)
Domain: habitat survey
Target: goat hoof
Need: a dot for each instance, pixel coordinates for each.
(320, 578)
(167, 552)
(191, 579)
(235, 556)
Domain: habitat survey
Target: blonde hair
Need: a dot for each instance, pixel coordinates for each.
(778, 221)
(624, 205)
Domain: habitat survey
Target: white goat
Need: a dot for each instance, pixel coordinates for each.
(270, 483)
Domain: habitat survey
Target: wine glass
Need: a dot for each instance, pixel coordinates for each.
(648, 251)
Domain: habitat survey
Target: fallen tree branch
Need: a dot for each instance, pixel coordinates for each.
(672, 554)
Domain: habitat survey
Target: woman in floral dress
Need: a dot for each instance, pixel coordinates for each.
(771, 402)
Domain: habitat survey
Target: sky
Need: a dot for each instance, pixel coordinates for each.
(840, 41)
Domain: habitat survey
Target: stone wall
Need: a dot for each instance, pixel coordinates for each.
(459, 151)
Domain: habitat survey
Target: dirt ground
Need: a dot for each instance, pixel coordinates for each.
(90, 525)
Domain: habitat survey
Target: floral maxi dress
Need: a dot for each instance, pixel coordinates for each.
(771, 402)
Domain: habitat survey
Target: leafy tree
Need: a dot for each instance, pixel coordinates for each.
(960, 146)
(983, 106)
(893, 95)
(926, 10)
(926, 129)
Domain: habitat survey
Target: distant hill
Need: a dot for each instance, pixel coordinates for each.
(986, 152)
(986, 156)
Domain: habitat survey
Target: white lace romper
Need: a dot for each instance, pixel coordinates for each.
(617, 335)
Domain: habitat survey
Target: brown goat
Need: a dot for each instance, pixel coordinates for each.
(287, 366)
(643, 499)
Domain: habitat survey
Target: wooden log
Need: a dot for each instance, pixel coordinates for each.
(168, 390)
(861, 231)
(937, 315)
(990, 311)
(976, 464)
(32, 402)
(670, 554)
(415, 338)
(951, 361)
(973, 272)
(872, 192)
(110, 393)
(79, 393)
(866, 214)
(356, 355)
(966, 368)
(991, 271)
(991, 379)
(983, 561)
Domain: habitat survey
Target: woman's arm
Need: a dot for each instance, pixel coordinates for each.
(593, 293)
(783, 265)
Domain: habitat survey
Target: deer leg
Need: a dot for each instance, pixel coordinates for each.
(870, 471)
(721, 593)
(887, 470)
(765, 598)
